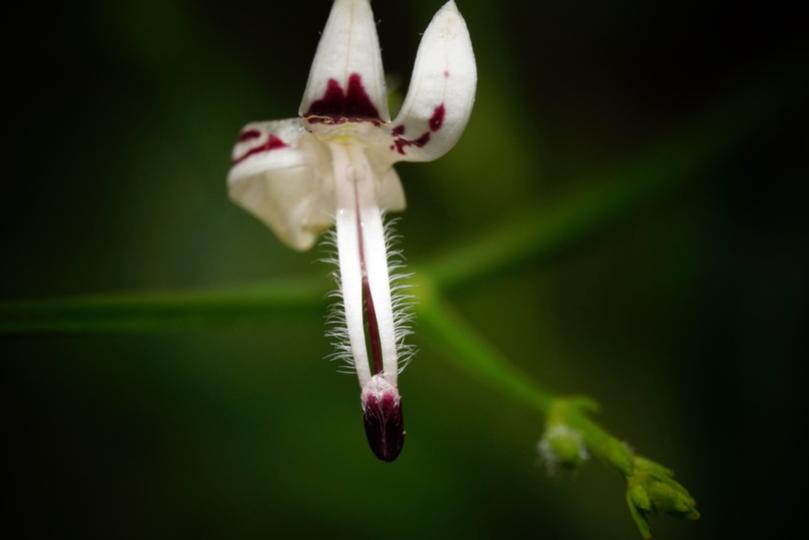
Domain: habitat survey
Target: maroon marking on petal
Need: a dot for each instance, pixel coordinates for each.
(249, 134)
(437, 119)
(435, 122)
(331, 103)
(273, 143)
(384, 426)
(421, 141)
(337, 106)
(401, 143)
(446, 74)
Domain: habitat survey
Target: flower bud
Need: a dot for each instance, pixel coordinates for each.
(669, 496)
(562, 446)
(651, 488)
(639, 498)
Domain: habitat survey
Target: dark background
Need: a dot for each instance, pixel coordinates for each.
(686, 322)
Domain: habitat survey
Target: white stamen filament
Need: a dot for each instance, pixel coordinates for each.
(362, 255)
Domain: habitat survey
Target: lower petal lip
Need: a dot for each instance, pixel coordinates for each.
(384, 426)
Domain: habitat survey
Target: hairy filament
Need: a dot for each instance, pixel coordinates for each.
(401, 302)
(370, 312)
(376, 263)
(348, 257)
(364, 278)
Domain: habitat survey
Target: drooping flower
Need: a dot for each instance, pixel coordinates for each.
(334, 166)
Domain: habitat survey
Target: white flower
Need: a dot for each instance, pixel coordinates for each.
(334, 165)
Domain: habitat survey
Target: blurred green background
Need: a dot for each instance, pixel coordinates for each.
(685, 321)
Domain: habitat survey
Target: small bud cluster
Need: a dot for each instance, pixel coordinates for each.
(651, 488)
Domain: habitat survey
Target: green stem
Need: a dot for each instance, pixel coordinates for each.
(471, 353)
(539, 234)
(156, 311)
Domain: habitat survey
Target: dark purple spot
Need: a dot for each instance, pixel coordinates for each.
(446, 74)
(337, 106)
(273, 143)
(437, 119)
(249, 134)
(435, 122)
(401, 143)
(384, 426)
(421, 141)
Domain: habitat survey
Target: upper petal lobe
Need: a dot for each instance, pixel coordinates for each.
(347, 81)
(442, 90)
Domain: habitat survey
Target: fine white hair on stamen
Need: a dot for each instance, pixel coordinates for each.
(337, 328)
(402, 303)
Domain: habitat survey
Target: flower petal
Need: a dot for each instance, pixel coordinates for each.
(442, 90)
(347, 82)
(278, 176)
(389, 192)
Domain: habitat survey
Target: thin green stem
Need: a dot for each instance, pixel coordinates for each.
(470, 352)
(540, 234)
(166, 311)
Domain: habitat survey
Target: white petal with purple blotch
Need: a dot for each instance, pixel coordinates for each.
(281, 174)
(442, 91)
(347, 81)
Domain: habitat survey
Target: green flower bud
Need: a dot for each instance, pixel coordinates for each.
(651, 488)
(562, 446)
(669, 497)
(639, 497)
